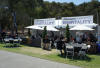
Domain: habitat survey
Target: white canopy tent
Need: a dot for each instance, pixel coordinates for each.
(50, 28)
(34, 27)
(81, 27)
(90, 25)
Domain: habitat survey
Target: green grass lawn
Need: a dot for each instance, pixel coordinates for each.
(93, 61)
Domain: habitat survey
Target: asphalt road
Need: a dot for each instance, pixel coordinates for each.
(13, 60)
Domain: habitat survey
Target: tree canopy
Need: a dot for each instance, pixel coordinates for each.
(36, 9)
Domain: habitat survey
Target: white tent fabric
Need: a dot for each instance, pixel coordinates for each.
(90, 25)
(51, 28)
(81, 27)
(34, 27)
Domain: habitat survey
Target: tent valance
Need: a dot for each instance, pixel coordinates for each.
(81, 27)
(49, 28)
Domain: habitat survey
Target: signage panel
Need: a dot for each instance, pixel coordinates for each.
(48, 21)
(77, 20)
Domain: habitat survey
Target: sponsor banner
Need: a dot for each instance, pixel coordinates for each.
(48, 21)
(77, 20)
(98, 34)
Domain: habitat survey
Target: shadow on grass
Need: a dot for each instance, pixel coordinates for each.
(98, 54)
(76, 58)
(62, 56)
(30, 45)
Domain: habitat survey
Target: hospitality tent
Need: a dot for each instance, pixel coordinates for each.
(81, 27)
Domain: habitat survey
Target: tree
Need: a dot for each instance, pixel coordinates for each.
(4, 18)
(11, 6)
(67, 33)
(94, 0)
(28, 10)
(44, 32)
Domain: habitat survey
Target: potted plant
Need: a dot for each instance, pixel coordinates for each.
(44, 34)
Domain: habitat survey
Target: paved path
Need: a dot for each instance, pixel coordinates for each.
(13, 60)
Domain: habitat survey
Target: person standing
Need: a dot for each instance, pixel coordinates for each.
(3, 34)
(60, 45)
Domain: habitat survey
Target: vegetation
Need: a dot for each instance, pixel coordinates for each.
(93, 61)
(28, 10)
(67, 33)
(44, 32)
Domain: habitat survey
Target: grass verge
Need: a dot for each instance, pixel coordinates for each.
(92, 61)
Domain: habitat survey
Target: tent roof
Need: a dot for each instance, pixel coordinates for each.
(34, 27)
(49, 28)
(81, 27)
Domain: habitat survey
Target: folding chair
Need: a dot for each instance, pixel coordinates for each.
(69, 51)
(7, 42)
(16, 42)
(82, 52)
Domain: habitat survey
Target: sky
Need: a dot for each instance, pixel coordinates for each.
(77, 2)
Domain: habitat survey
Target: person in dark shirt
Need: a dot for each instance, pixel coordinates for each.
(60, 45)
(46, 40)
(3, 35)
(92, 38)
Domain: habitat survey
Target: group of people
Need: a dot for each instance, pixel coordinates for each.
(61, 40)
(84, 37)
(4, 35)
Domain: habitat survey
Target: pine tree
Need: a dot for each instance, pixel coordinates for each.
(44, 32)
(67, 33)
